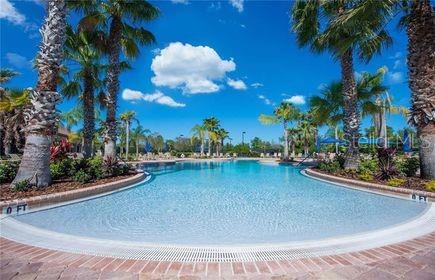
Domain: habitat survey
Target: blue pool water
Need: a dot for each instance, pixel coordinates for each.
(239, 202)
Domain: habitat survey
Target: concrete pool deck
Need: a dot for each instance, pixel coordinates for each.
(413, 259)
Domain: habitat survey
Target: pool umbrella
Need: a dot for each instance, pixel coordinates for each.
(406, 142)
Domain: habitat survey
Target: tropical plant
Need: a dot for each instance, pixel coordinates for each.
(6, 75)
(81, 50)
(59, 150)
(139, 133)
(42, 118)
(221, 134)
(307, 130)
(284, 113)
(211, 125)
(126, 118)
(12, 119)
(322, 25)
(120, 17)
(157, 142)
(199, 132)
(387, 167)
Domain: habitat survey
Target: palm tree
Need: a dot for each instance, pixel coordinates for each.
(139, 133)
(199, 132)
(284, 113)
(12, 119)
(221, 135)
(120, 16)
(293, 138)
(307, 130)
(126, 118)
(210, 124)
(6, 75)
(80, 48)
(322, 25)
(421, 59)
(42, 118)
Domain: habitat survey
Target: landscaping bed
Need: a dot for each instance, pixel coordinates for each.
(7, 193)
(384, 168)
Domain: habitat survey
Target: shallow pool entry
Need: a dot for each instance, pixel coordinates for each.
(226, 203)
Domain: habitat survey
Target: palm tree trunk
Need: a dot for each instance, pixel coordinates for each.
(88, 114)
(112, 78)
(336, 138)
(137, 149)
(202, 147)
(42, 117)
(285, 141)
(421, 60)
(209, 145)
(127, 136)
(351, 114)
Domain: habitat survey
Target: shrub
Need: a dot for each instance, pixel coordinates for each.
(366, 176)
(61, 169)
(330, 166)
(396, 182)
(387, 168)
(79, 165)
(96, 167)
(21, 186)
(110, 166)
(430, 186)
(59, 150)
(8, 171)
(82, 176)
(340, 159)
(368, 166)
(410, 166)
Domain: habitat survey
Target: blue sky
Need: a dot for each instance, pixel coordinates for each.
(233, 60)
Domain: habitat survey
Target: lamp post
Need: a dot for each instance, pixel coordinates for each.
(243, 137)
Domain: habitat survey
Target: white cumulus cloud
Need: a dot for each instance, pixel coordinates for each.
(10, 13)
(296, 99)
(256, 85)
(156, 97)
(266, 100)
(238, 4)
(395, 77)
(17, 60)
(237, 84)
(180, 1)
(194, 69)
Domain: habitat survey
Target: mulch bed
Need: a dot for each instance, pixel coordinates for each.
(412, 183)
(58, 186)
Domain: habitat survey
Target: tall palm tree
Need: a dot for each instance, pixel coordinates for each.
(307, 130)
(139, 133)
(81, 49)
(421, 61)
(121, 17)
(286, 112)
(126, 118)
(42, 118)
(322, 25)
(199, 132)
(210, 124)
(221, 135)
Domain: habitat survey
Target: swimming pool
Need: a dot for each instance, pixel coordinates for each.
(226, 203)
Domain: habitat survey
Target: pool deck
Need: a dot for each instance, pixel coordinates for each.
(413, 259)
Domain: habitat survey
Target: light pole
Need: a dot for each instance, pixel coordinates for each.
(243, 137)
